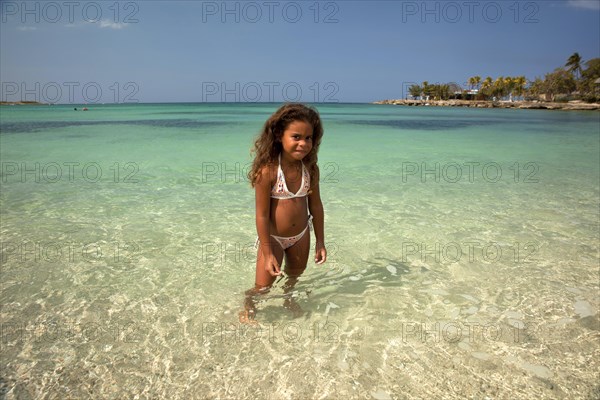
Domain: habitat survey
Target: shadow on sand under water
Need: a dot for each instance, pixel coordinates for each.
(345, 284)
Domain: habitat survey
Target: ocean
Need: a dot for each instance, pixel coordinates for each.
(463, 256)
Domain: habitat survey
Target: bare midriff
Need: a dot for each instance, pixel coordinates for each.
(288, 216)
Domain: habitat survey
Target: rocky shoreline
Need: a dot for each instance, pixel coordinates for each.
(530, 105)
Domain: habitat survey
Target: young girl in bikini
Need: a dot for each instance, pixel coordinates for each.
(285, 177)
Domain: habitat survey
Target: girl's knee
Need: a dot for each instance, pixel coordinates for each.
(294, 273)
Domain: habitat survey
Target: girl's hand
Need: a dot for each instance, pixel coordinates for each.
(272, 266)
(320, 253)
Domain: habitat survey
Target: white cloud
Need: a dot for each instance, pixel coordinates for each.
(112, 25)
(27, 28)
(585, 4)
(102, 24)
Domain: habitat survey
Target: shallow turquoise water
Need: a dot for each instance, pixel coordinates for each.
(463, 255)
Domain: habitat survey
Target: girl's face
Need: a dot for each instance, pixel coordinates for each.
(297, 140)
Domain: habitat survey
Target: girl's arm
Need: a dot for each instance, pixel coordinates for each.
(315, 207)
(262, 190)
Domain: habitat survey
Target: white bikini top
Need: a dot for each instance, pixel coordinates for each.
(280, 190)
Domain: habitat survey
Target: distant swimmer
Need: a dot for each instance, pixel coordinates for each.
(85, 109)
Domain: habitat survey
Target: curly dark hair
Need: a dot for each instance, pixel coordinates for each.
(267, 145)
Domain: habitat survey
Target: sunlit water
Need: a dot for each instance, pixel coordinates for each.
(463, 256)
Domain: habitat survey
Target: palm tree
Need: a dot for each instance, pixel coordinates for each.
(519, 83)
(471, 82)
(509, 84)
(442, 91)
(426, 90)
(474, 83)
(574, 64)
(415, 91)
(498, 87)
(486, 86)
(589, 76)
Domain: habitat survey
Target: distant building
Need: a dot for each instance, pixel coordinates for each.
(470, 92)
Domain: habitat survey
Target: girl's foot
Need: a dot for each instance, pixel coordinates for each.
(247, 317)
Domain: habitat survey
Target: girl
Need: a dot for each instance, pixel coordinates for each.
(285, 177)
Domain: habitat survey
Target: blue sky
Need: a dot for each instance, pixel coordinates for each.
(347, 51)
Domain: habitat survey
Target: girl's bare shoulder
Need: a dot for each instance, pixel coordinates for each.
(267, 174)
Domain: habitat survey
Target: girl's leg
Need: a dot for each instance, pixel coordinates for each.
(263, 277)
(263, 283)
(296, 258)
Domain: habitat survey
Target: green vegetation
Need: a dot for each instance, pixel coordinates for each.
(563, 84)
(433, 91)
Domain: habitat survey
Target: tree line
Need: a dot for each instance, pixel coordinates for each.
(571, 82)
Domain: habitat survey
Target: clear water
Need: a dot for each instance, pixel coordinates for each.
(463, 256)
